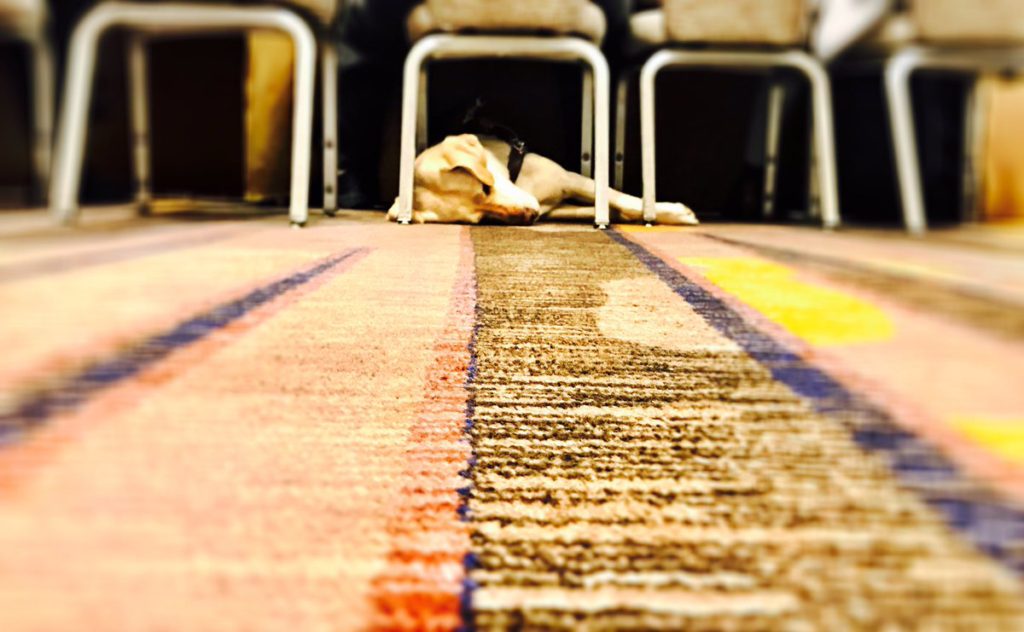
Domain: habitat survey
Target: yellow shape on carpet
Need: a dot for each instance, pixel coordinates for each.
(1003, 437)
(819, 315)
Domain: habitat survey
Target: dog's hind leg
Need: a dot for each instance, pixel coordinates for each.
(625, 207)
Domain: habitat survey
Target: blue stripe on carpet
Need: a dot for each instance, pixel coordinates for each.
(994, 525)
(469, 561)
(71, 393)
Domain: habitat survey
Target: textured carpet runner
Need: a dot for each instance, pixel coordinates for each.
(355, 426)
(617, 484)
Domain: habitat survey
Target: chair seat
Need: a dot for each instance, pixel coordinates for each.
(22, 15)
(985, 22)
(323, 11)
(745, 22)
(575, 17)
(953, 23)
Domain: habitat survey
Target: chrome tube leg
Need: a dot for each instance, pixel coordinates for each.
(43, 77)
(970, 167)
(776, 96)
(138, 108)
(602, 131)
(70, 146)
(412, 79)
(648, 75)
(824, 137)
(587, 123)
(898, 71)
(621, 120)
(329, 87)
(423, 111)
(302, 112)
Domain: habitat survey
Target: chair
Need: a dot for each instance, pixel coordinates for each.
(146, 20)
(26, 21)
(438, 28)
(945, 35)
(734, 34)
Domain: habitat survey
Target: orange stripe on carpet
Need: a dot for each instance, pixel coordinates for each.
(420, 588)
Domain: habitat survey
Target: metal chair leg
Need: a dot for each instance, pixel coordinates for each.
(602, 131)
(776, 97)
(824, 152)
(587, 124)
(621, 120)
(43, 77)
(423, 112)
(138, 108)
(302, 113)
(970, 168)
(77, 95)
(648, 150)
(413, 80)
(898, 71)
(329, 87)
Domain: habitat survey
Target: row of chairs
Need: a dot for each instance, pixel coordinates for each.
(736, 34)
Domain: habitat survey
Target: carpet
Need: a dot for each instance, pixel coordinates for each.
(229, 425)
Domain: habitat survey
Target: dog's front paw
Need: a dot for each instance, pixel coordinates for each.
(675, 214)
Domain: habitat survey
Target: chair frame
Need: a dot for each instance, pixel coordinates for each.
(823, 144)
(150, 20)
(596, 87)
(899, 70)
(329, 89)
(42, 75)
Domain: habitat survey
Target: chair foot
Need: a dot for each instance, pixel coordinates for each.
(330, 212)
(298, 225)
(601, 226)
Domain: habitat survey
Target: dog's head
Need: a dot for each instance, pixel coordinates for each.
(458, 180)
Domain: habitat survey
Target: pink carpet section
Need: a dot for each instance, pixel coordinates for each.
(249, 480)
(421, 587)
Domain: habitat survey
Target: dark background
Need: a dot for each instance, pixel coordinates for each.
(709, 126)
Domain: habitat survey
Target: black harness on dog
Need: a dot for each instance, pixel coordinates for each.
(517, 145)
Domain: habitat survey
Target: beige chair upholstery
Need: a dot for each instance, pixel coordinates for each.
(745, 22)
(22, 15)
(575, 17)
(969, 21)
(953, 23)
(323, 10)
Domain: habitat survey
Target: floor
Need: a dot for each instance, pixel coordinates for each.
(217, 422)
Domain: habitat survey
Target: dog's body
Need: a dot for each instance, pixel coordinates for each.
(466, 180)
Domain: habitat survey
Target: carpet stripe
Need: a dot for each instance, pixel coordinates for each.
(991, 523)
(422, 584)
(72, 263)
(72, 392)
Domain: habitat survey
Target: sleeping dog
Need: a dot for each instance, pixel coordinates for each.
(466, 179)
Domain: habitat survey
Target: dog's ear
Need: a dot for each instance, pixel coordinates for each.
(465, 152)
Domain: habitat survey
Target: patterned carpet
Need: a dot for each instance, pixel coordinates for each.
(229, 425)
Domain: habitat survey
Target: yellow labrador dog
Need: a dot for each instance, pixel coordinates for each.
(466, 180)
